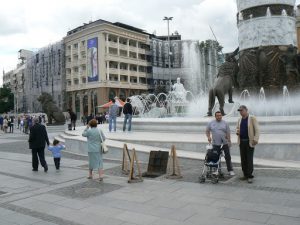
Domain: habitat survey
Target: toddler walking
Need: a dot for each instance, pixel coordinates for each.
(55, 149)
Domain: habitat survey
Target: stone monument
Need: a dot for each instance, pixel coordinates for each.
(267, 40)
(52, 111)
(179, 92)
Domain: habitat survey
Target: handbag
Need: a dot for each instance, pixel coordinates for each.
(103, 146)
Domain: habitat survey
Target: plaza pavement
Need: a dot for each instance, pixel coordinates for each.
(67, 197)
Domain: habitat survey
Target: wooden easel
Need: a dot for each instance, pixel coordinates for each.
(126, 160)
(173, 165)
(131, 177)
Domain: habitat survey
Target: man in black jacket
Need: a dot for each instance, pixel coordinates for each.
(127, 110)
(73, 118)
(37, 141)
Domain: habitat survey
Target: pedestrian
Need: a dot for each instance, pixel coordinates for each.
(73, 118)
(113, 113)
(11, 124)
(5, 124)
(1, 122)
(95, 137)
(56, 149)
(127, 110)
(247, 131)
(38, 138)
(220, 132)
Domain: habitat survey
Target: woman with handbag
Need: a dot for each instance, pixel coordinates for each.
(95, 138)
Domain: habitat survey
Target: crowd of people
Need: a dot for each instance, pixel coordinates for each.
(217, 132)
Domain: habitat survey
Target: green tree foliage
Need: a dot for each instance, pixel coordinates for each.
(204, 45)
(6, 100)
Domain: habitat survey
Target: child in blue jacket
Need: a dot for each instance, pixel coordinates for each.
(55, 149)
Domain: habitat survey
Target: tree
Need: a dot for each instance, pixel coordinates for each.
(6, 99)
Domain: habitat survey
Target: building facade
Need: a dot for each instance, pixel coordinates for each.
(45, 72)
(104, 60)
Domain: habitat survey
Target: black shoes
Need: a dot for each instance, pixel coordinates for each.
(45, 169)
(35, 170)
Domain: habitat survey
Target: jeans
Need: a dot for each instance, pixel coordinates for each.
(227, 156)
(112, 122)
(129, 118)
(246, 158)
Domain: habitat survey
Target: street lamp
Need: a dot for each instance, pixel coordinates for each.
(169, 52)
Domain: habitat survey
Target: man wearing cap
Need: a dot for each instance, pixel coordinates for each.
(220, 137)
(37, 141)
(248, 134)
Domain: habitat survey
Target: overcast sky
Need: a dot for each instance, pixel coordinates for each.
(33, 24)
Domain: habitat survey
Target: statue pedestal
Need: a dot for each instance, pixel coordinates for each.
(179, 108)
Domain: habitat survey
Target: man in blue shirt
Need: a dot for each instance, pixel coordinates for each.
(220, 136)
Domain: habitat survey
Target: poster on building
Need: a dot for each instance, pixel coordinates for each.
(92, 65)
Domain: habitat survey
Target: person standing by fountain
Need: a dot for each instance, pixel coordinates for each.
(220, 138)
(248, 134)
(113, 113)
(127, 110)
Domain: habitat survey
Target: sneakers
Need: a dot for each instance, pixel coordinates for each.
(250, 180)
(231, 173)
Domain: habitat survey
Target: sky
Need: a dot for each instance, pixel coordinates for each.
(34, 24)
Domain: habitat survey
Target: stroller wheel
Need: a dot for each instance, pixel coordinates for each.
(215, 180)
(202, 179)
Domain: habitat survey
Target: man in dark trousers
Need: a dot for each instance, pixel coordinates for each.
(127, 110)
(37, 141)
(73, 118)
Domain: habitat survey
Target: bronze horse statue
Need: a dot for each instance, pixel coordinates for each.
(52, 111)
(226, 79)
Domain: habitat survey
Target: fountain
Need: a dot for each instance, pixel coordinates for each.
(179, 118)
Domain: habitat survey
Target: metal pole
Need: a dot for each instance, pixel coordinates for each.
(169, 52)
(169, 55)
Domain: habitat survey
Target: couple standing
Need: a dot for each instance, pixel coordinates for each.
(247, 131)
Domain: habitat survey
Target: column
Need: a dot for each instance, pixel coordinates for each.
(128, 77)
(127, 47)
(118, 46)
(73, 101)
(107, 70)
(89, 103)
(119, 72)
(81, 104)
(107, 43)
(137, 74)
(137, 50)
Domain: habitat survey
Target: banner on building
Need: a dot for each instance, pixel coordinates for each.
(92, 65)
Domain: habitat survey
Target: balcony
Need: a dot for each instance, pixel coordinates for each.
(82, 48)
(123, 47)
(132, 48)
(113, 70)
(113, 44)
(82, 61)
(142, 51)
(68, 52)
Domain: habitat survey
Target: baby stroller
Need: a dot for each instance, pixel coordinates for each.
(212, 165)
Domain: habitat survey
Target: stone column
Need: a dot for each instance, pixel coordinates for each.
(73, 101)
(107, 43)
(107, 70)
(127, 47)
(118, 46)
(89, 103)
(119, 72)
(81, 104)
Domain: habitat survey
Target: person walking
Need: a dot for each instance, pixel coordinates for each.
(113, 113)
(127, 110)
(56, 149)
(247, 130)
(38, 138)
(220, 132)
(95, 137)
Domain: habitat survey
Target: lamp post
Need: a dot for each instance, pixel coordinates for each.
(169, 52)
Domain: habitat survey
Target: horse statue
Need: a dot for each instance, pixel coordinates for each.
(226, 79)
(52, 111)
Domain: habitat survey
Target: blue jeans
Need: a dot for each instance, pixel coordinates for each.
(112, 121)
(127, 117)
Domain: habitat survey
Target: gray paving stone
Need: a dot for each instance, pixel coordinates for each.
(246, 215)
(137, 218)
(44, 223)
(4, 212)
(286, 220)
(20, 219)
